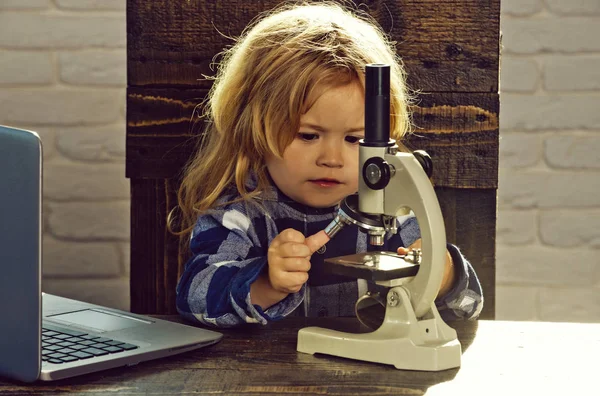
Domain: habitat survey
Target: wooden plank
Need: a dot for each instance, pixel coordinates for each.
(459, 130)
(154, 251)
(446, 45)
(163, 127)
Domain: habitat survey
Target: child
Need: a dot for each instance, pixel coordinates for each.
(286, 114)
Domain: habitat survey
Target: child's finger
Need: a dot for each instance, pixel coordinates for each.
(290, 235)
(293, 249)
(402, 251)
(297, 280)
(295, 264)
(287, 235)
(293, 282)
(314, 242)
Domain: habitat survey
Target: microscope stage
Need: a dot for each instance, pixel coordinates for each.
(374, 266)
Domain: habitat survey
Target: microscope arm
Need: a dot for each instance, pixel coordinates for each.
(410, 187)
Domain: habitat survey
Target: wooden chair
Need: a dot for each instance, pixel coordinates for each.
(451, 51)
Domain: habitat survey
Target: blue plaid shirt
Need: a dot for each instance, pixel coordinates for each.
(229, 251)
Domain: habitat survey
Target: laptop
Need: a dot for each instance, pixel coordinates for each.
(46, 337)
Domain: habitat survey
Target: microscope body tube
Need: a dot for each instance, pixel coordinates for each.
(377, 105)
(377, 132)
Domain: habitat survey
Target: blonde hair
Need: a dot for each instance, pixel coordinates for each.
(266, 81)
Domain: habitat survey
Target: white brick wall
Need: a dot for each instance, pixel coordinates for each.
(62, 73)
(548, 258)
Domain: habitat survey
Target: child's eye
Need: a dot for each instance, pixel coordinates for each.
(308, 136)
(353, 139)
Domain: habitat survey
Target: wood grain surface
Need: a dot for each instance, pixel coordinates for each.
(499, 358)
(446, 46)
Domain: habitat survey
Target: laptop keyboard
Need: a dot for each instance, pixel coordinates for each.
(62, 345)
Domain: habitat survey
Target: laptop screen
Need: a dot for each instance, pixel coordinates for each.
(20, 253)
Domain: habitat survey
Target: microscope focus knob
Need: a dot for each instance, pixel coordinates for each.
(376, 173)
(425, 161)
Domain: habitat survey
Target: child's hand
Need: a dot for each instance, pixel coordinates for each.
(289, 259)
(449, 272)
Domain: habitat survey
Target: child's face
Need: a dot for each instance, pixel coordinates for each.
(320, 167)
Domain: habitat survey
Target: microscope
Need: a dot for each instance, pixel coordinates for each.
(412, 335)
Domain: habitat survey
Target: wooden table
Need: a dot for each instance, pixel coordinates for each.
(504, 358)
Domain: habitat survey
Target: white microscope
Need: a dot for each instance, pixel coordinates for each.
(412, 335)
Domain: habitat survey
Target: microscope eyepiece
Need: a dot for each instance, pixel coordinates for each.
(377, 105)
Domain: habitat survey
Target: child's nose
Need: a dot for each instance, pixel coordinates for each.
(331, 157)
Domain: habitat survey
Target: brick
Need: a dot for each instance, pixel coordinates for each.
(518, 75)
(107, 67)
(520, 149)
(516, 302)
(101, 143)
(31, 30)
(572, 73)
(570, 305)
(516, 227)
(90, 221)
(118, 5)
(543, 189)
(23, 4)
(542, 265)
(573, 152)
(61, 107)
(574, 7)
(26, 68)
(550, 112)
(570, 228)
(77, 259)
(550, 34)
(112, 293)
(65, 181)
(520, 7)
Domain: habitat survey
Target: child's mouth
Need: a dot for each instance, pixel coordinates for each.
(325, 182)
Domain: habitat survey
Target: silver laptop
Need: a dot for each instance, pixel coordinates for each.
(64, 337)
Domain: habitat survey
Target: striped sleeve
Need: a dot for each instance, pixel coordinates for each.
(465, 299)
(229, 251)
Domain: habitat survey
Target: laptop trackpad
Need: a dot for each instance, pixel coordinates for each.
(98, 320)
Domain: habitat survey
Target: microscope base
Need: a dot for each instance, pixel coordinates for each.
(403, 341)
